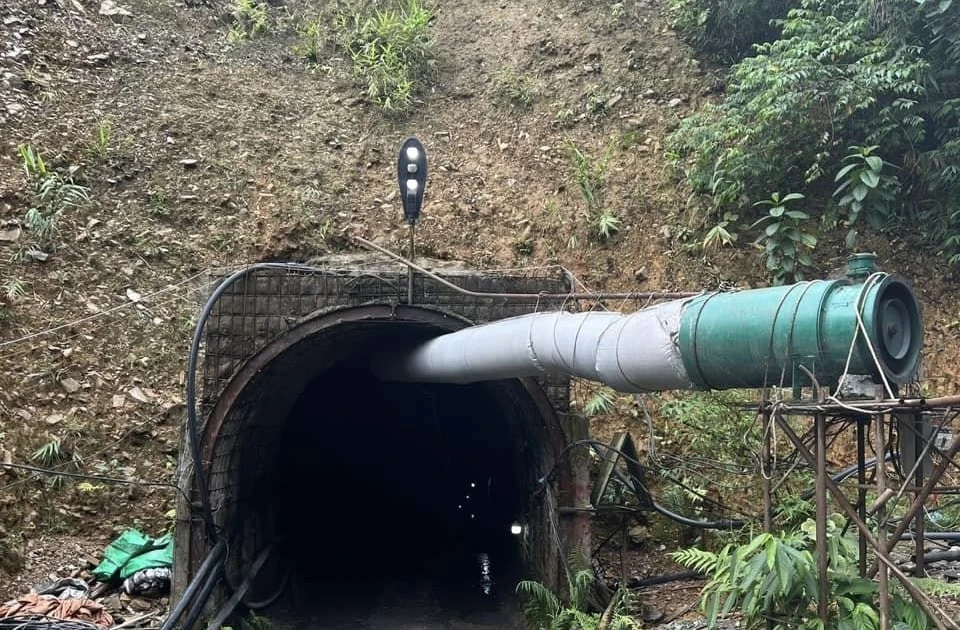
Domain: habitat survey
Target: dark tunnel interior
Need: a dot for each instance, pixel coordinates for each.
(399, 491)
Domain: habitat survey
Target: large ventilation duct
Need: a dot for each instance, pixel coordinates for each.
(868, 323)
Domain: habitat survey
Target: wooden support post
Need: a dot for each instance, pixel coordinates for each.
(766, 466)
(823, 602)
(880, 450)
(862, 424)
(920, 448)
(579, 532)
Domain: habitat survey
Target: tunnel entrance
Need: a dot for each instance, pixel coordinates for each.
(358, 499)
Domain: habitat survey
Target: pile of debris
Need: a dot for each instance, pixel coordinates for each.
(134, 570)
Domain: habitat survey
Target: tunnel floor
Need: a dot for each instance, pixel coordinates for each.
(395, 503)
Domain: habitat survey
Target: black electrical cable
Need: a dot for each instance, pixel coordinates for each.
(718, 524)
(213, 559)
(118, 480)
(633, 460)
(193, 429)
(201, 600)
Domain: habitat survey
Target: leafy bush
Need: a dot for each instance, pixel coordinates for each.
(843, 73)
(865, 189)
(784, 239)
(389, 46)
(727, 29)
(775, 578)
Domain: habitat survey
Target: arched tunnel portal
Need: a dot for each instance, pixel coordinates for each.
(364, 489)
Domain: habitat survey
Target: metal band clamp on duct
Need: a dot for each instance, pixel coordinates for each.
(744, 339)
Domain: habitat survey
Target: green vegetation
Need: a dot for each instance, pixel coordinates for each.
(607, 225)
(774, 578)
(100, 146)
(590, 174)
(389, 46)
(727, 29)
(866, 188)
(53, 194)
(56, 454)
(784, 239)
(514, 87)
(602, 401)
(545, 611)
(250, 19)
(312, 36)
(857, 105)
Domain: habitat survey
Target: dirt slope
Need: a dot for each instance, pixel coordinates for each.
(221, 153)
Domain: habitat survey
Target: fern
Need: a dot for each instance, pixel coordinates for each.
(544, 610)
(542, 606)
(705, 562)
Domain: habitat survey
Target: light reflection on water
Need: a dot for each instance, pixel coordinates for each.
(486, 573)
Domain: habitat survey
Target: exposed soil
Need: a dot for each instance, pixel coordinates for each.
(223, 153)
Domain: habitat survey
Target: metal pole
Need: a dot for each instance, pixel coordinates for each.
(413, 240)
(862, 423)
(919, 448)
(823, 602)
(767, 475)
(880, 450)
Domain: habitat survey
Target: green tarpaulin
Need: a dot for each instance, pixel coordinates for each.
(131, 552)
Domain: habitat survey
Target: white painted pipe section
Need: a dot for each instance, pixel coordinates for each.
(630, 353)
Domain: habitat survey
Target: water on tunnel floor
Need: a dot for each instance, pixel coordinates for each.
(396, 506)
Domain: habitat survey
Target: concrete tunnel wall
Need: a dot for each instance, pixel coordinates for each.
(258, 440)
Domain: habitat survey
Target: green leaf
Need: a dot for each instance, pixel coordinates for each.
(874, 162)
(870, 178)
(843, 171)
(777, 211)
(860, 192)
(851, 239)
(798, 215)
(791, 197)
(772, 229)
(784, 571)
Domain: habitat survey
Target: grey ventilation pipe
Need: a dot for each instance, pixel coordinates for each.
(866, 324)
(631, 353)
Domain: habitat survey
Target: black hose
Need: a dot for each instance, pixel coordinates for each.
(213, 558)
(689, 522)
(192, 423)
(646, 499)
(933, 535)
(202, 597)
(664, 579)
